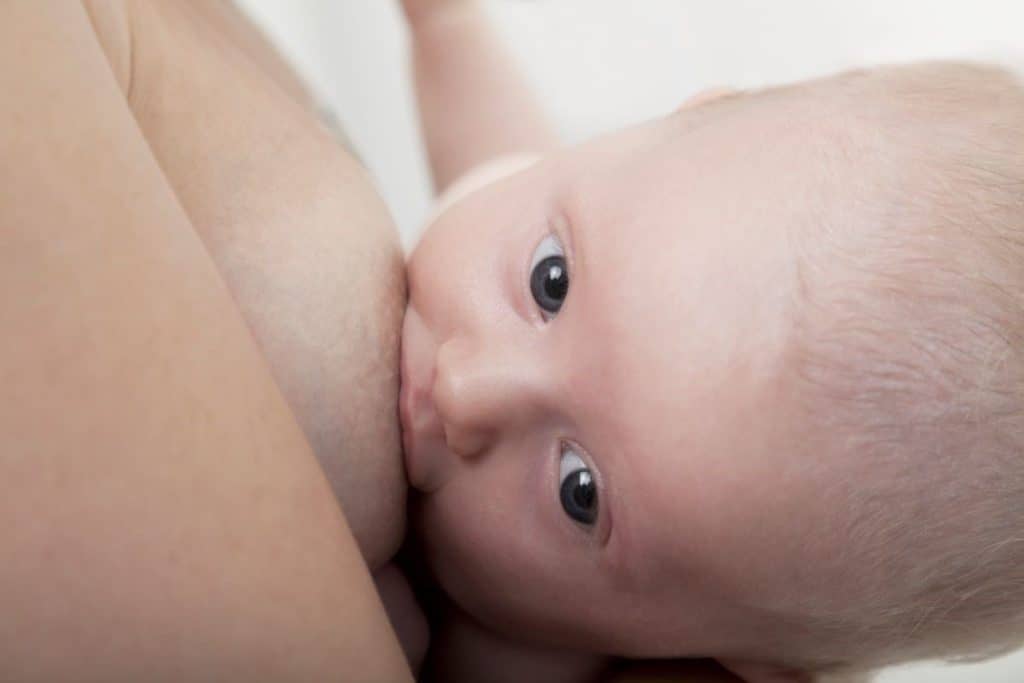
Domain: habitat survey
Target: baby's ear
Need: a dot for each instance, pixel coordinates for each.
(761, 672)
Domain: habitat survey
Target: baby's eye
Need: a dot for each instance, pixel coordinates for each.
(549, 276)
(577, 489)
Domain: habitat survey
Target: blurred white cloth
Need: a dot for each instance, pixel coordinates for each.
(601, 64)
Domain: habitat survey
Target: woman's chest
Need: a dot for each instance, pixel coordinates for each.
(295, 227)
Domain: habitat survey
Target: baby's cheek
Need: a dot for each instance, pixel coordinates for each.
(482, 176)
(501, 565)
(477, 554)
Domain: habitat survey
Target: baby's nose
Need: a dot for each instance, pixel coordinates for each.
(481, 392)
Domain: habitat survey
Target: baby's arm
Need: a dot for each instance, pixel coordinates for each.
(474, 104)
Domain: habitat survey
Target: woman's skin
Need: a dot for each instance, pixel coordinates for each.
(295, 227)
(198, 286)
(176, 233)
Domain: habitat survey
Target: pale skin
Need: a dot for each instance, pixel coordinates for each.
(132, 371)
(171, 360)
(171, 367)
(497, 390)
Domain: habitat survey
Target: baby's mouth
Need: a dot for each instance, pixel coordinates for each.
(423, 442)
(405, 398)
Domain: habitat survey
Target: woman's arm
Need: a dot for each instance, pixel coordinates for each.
(162, 516)
(474, 104)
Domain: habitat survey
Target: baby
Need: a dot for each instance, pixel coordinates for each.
(742, 382)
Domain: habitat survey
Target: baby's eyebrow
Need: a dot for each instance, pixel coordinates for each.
(568, 215)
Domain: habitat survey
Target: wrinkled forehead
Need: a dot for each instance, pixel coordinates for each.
(688, 276)
(684, 238)
(747, 150)
(695, 226)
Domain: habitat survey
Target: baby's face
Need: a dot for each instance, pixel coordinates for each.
(593, 395)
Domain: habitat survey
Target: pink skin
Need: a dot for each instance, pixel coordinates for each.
(661, 370)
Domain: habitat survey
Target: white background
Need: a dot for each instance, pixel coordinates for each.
(600, 64)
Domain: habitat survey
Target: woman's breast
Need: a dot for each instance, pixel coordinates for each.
(298, 232)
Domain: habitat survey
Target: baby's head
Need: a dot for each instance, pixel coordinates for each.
(744, 382)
